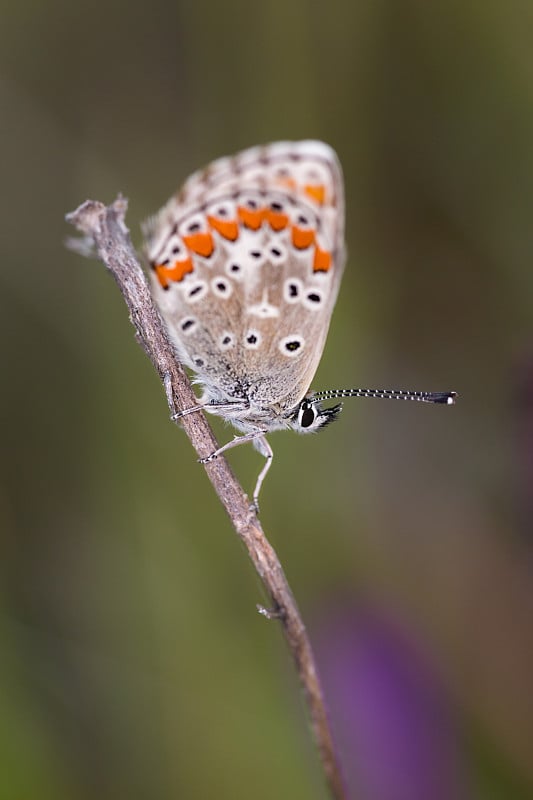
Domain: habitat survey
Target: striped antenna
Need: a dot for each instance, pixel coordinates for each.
(448, 398)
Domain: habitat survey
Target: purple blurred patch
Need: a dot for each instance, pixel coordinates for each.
(389, 711)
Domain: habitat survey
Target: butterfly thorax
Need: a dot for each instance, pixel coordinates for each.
(246, 413)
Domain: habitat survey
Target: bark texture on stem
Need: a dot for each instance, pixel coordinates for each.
(105, 231)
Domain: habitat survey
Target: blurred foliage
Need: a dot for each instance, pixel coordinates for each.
(133, 661)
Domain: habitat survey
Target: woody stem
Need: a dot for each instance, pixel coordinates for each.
(105, 226)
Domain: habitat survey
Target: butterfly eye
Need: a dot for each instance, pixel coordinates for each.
(311, 416)
(307, 415)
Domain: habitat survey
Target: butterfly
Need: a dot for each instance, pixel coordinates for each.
(246, 263)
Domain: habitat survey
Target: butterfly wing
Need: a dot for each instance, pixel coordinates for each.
(246, 266)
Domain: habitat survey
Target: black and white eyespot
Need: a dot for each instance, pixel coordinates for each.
(277, 254)
(188, 325)
(198, 362)
(195, 291)
(226, 341)
(292, 345)
(313, 175)
(194, 224)
(303, 218)
(256, 256)
(317, 175)
(313, 299)
(235, 270)
(221, 287)
(250, 200)
(293, 289)
(223, 209)
(252, 339)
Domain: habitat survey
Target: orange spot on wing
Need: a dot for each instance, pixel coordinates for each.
(302, 237)
(276, 220)
(251, 218)
(161, 273)
(166, 274)
(321, 261)
(316, 191)
(200, 243)
(227, 228)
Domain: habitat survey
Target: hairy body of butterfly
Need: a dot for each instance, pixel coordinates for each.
(246, 263)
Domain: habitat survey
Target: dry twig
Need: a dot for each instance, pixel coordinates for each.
(105, 227)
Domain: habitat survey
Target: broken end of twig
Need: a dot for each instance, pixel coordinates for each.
(88, 218)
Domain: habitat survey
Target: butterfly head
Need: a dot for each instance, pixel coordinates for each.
(309, 416)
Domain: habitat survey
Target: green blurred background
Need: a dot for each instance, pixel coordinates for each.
(133, 663)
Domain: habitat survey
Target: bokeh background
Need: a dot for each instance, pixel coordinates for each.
(133, 663)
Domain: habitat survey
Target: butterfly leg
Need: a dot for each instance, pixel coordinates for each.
(175, 415)
(247, 437)
(214, 408)
(191, 410)
(261, 444)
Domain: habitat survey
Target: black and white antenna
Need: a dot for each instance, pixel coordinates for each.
(447, 398)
